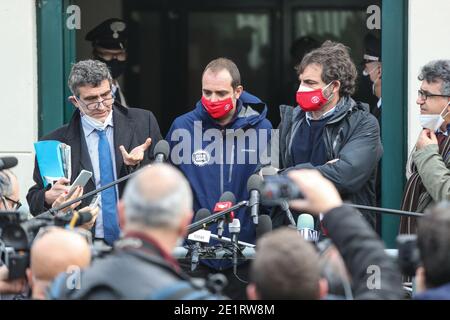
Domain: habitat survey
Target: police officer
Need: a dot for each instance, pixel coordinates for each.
(109, 42)
(372, 69)
(154, 213)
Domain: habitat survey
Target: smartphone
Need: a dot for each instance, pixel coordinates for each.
(80, 181)
(94, 201)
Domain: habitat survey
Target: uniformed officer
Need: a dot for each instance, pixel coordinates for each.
(109, 41)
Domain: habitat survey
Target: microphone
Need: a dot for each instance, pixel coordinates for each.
(254, 185)
(195, 256)
(234, 228)
(264, 226)
(226, 201)
(305, 227)
(161, 151)
(7, 162)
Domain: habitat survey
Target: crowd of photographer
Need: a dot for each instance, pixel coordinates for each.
(155, 212)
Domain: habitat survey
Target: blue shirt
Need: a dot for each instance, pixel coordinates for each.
(91, 138)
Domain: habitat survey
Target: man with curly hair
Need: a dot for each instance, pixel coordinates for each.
(328, 130)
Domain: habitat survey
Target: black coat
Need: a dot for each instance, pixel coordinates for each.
(351, 135)
(132, 127)
(364, 256)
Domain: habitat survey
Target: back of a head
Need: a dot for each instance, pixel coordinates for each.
(56, 251)
(157, 197)
(433, 238)
(220, 64)
(285, 267)
(334, 58)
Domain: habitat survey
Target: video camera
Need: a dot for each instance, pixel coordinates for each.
(17, 236)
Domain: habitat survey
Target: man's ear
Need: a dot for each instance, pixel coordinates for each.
(185, 221)
(323, 288)
(73, 100)
(252, 293)
(29, 277)
(336, 86)
(121, 211)
(420, 280)
(238, 91)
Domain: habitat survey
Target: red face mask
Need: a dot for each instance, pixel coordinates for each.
(311, 100)
(218, 109)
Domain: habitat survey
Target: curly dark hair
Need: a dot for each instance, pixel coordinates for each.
(336, 65)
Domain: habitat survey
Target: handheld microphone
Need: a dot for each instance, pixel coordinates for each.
(226, 201)
(161, 151)
(195, 256)
(7, 162)
(254, 185)
(305, 227)
(234, 228)
(264, 226)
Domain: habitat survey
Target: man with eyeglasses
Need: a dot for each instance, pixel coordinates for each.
(109, 42)
(105, 138)
(429, 176)
(9, 191)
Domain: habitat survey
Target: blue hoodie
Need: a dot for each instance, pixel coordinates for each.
(210, 180)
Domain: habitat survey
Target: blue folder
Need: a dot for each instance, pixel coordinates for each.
(50, 160)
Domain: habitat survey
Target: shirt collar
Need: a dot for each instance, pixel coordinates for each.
(326, 114)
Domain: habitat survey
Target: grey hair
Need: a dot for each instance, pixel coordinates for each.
(437, 70)
(6, 187)
(88, 73)
(158, 197)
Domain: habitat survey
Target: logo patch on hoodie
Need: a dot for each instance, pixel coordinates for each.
(201, 157)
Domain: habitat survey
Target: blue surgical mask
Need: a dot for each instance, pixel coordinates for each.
(98, 125)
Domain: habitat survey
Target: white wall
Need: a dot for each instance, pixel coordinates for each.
(428, 39)
(18, 87)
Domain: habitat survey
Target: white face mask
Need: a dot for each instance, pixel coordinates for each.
(433, 121)
(98, 125)
(365, 73)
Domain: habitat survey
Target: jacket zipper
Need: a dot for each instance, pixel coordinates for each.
(231, 164)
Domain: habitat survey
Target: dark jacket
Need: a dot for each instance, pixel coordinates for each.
(137, 269)
(438, 293)
(364, 255)
(132, 127)
(234, 163)
(351, 135)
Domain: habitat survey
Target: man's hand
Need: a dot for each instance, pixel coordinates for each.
(57, 189)
(10, 286)
(62, 199)
(136, 155)
(320, 194)
(94, 211)
(426, 137)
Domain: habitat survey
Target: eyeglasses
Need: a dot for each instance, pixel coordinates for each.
(424, 95)
(16, 204)
(95, 105)
(107, 56)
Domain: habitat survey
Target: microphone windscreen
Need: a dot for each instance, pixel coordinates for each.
(202, 214)
(255, 182)
(84, 217)
(228, 196)
(264, 225)
(7, 162)
(305, 221)
(162, 147)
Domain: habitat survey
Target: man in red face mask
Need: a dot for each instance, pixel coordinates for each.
(328, 130)
(218, 146)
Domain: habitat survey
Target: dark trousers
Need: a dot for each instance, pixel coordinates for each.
(236, 289)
